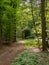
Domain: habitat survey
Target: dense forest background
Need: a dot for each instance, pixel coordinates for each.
(17, 16)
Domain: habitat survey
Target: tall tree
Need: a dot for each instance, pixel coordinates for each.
(43, 19)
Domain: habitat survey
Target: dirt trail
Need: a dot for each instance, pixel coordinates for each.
(8, 54)
(34, 49)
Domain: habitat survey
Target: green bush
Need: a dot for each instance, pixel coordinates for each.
(32, 36)
(28, 58)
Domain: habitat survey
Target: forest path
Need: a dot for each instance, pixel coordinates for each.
(31, 48)
(34, 49)
(8, 54)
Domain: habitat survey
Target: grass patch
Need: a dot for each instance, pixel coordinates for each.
(31, 42)
(28, 58)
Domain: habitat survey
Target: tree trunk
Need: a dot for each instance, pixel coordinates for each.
(1, 29)
(43, 19)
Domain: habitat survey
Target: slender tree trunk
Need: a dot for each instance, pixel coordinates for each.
(14, 20)
(43, 19)
(1, 29)
(33, 20)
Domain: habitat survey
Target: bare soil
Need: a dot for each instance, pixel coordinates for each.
(8, 53)
(34, 49)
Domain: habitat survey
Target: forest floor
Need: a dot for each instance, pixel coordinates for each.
(7, 54)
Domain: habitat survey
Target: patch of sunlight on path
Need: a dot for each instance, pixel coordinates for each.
(21, 41)
(31, 48)
(34, 49)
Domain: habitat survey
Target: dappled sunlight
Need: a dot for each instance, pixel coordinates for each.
(34, 49)
(24, 26)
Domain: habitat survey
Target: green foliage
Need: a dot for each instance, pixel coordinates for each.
(28, 58)
(26, 33)
(32, 36)
(8, 20)
(31, 42)
(16, 15)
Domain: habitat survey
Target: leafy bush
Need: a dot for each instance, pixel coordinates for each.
(31, 42)
(28, 58)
